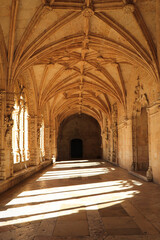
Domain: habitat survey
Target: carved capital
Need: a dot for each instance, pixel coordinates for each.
(88, 12)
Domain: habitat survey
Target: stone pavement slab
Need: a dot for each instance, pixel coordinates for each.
(64, 203)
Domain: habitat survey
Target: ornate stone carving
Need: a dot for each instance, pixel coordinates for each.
(38, 135)
(149, 174)
(129, 8)
(107, 130)
(141, 99)
(107, 138)
(8, 122)
(48, 4)
(88, 12)
(114, 132)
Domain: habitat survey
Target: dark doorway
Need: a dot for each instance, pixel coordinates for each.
(79, 137)
(76, 148)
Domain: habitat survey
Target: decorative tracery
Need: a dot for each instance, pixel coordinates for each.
(20, 130)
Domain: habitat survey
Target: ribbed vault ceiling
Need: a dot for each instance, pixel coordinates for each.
(79, 55)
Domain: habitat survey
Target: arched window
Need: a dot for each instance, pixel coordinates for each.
(15, 134)
(20, 130)
(42, 149)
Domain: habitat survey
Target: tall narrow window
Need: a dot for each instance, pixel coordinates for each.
(26, 134)
(20, 131)
(42, 141)
(15, 134)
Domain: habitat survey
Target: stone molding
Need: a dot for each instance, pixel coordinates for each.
(141, 99)
(154, 108)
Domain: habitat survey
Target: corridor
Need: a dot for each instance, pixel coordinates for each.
(81, 200)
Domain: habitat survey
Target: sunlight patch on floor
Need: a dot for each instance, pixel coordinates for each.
(77, 165)
(53, 202)
(73, 173)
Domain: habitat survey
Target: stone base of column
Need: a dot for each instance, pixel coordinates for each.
(2, 165)
(34, 157)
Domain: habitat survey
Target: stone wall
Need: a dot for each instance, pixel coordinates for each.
(154, 140)
(79, 127)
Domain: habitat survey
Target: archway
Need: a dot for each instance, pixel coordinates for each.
(79, 137)
(76, 148)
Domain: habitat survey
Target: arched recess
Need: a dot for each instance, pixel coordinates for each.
(142, 140)
(140, 131)
(83, 127)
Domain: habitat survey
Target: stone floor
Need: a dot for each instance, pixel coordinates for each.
(81, 200)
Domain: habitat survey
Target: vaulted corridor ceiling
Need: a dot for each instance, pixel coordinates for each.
(60, 59)
(79, 56)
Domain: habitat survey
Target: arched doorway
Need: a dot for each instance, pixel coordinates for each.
(76, 148)
(79, 137)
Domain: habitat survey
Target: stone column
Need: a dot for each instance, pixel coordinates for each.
(34, 138)
(158, 29)
(134, 143)
(8, 133)
(6, 124)
(54, 143)
(54, 139)
(154, 139)
(47, 143)
(2, 133)
(114, 134)
(106, 141)
(125, 149)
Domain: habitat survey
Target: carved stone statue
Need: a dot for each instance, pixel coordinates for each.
(149, 174)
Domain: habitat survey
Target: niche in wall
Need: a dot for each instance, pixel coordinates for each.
(142, 140)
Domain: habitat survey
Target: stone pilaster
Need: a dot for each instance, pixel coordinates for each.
(6, 124)
(47, 142)
(54, 143)
(106, 141)
(125, 149)
(154, 139)
(114, 133)
(2, 131)
(158, 29)
(34, 136)
(8, 134)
